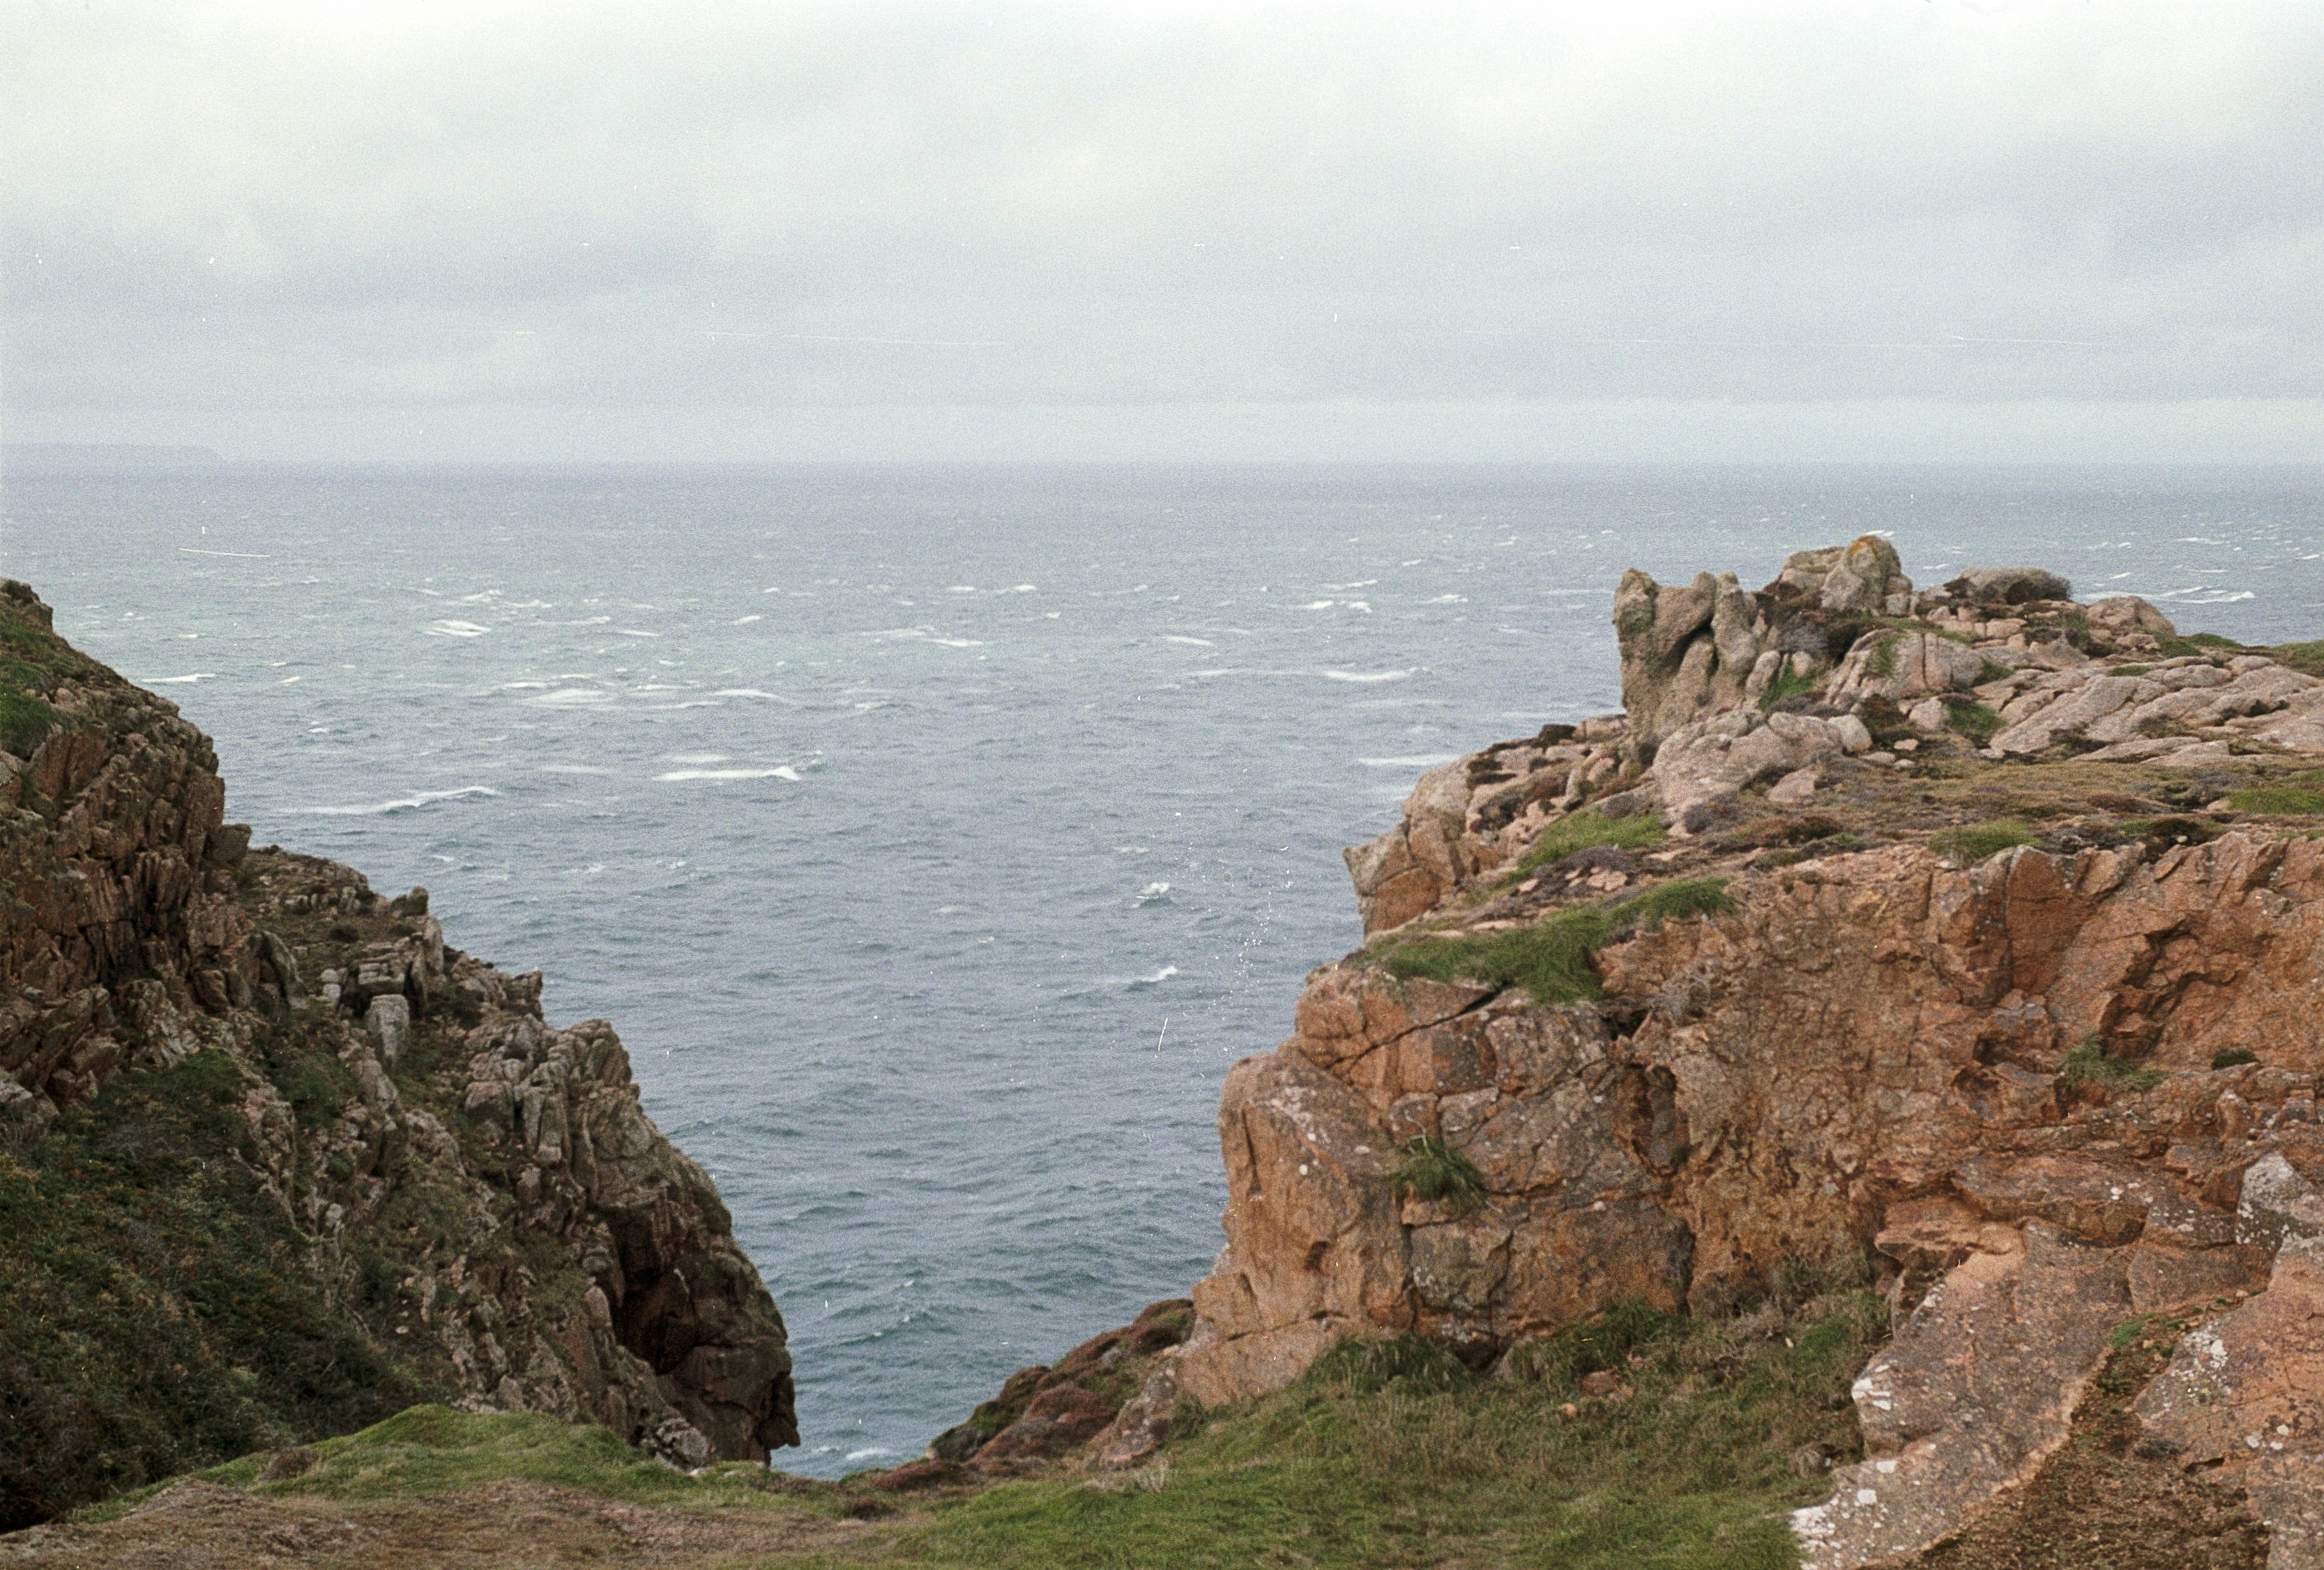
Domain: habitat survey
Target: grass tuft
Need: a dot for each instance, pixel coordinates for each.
(2090, 1062)
(1973, 720)
(2279, 800)
(1647, 910)
(1412, 1364)
(2233, 1057)
(1882, 661)
(433, 1450)
(1787, 683)
(1976, 843)
(1551, 958)
(1605, 1344)
(24, 722)
(1433, 1170)
(1584, 830)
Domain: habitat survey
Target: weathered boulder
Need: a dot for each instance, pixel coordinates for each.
(2010, 586)
(1904, 665)
(1862, 578)
(1713, 761)
(2121, 613)
(1685, 651)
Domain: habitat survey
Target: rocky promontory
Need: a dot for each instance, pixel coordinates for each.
(1969, 937)
(275, 1161)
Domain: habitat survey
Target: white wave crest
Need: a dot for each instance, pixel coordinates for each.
(401, 803)
(456, 629)
(783, 772)
(1367, 676)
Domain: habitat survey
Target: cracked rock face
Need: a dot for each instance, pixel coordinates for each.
(1994, 1077)
(2244, 1393)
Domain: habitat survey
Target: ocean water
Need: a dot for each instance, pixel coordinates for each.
(937, 837)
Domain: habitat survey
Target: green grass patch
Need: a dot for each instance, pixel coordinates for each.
(1975, 843)
(2129, 670)
(1787, 683)
(1414, 1364)
(2128, 1331)
(157, 1311)
(2279, 800)
(1605, 1344)
(1881, 660)
(1391, 1454)
(2179, 647)
(1647, 910)
(308, 1073)
(1586, 829)
(2089, 1060)
(434, 1450)
(1551, 958)
(24, 722)
(1428, 1168)
(1974, 720)
(2233, 1057)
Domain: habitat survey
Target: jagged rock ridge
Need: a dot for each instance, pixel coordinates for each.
(478, 1194)
(2004, 973)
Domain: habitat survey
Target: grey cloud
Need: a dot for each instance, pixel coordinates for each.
(237, 207)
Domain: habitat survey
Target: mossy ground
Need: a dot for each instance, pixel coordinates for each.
(428, 1450)
(1389, 1454)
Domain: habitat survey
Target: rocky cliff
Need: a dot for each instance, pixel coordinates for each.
(1971, 935)
(272, 1155)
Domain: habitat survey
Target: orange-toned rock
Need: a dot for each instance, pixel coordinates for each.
(2246, 1393)
(1977, 1389)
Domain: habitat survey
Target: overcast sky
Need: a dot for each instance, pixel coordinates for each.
(1890, 228)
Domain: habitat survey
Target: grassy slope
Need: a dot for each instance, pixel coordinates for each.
(155, 1307)
(1392, 1456)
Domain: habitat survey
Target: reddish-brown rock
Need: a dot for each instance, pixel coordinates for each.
(571, 1259)
(1993, 1076)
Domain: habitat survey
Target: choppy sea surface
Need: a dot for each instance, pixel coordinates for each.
(937, 838)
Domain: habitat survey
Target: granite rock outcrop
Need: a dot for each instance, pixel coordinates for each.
(1997, 968)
